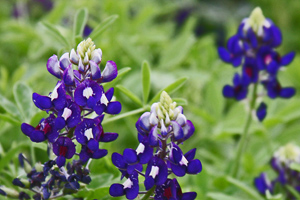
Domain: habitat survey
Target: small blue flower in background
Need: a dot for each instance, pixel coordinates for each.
(282, 162)
(253, 47)
(160, 131)
(77, 94)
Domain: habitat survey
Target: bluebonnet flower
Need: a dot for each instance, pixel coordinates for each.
(77, 94)
(253, 47)
(48, 181)
(282, 163)
(160, 131)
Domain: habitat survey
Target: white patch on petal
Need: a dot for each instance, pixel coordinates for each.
(153, 119)
(67, 113)
(88, 92)
(128, 183)
(54, 94)
(183, 161)
(104, 100)
(154, 171)
(89, 133)
(140, 149)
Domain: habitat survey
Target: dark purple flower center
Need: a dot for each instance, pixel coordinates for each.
(237, 89)
(63, 150)
(168, 192)
(249, 71)
(45, 127)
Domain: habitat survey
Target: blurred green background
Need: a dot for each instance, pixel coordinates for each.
(178, 39)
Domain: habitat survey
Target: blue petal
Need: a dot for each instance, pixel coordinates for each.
(42, 102)
(236, 61)
(109, 137)
(53, 66)
(178, 170)
(261, 111)
(228, 91)
(93, 145)
(287, 92)
(153, 136)
(273, 67)
(64, 61)
(110, 71)
(60, 161)
(60, 123)
(99, 153)
(149, 182)
(188, 130)
(288, 58)
(27, 129)
(118, 161)
(95, 70)
(252, 37)
(99, 108)
(68, 76)
(177, 130)
(194, 167)
(130, 156)
(37, 136)
(276, 36)
(190, 154)
(113, 108)
(189, 196)
(109, 94)
(116, 190)
(224, 54)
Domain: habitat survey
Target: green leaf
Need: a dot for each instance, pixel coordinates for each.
(10, 119)
(11, 154)
(9, 107)
(295, 166)
(129, 94)
(293, 191)
(55, 33)
(121, 73)
(103, 26)
(180, 101)
(273, 197)
(169, 89)
(221, 196)
(4, 78)
(146, 80)
(80, 20)
(22, 94)
(252, 193)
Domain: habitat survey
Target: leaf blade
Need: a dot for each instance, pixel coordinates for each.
(129, 94)
(55, 33)
(102, 26)
(80, 20)
(146, 76)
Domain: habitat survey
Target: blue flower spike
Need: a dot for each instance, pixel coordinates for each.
(77, 94)
(253, 48)
(160, 131)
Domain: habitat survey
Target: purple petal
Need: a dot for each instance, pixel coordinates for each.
(109, 94)
(109, 137)
(178, 132)
(236, 61)
(188, 129)
(64, 61)
(99, 153)
(60, 161)
(144, 122)
(149, 183)
(288, 58)
(118, 161)
(228, 91)
(60, 123)
(97, 56)
(130, 156)
(261, 111)
(93, 145)
(42, 102)
(153, 136)
(189, 196)
(53, 66)
(190, 154)
(178, 170)
(194, 167)
(116, 190)
(110, 71)
(68, 75)
(113, 108)
(287, 92)
(37, 136)
(224, 54)
(27, 129)
(95, 70)
(99, 108)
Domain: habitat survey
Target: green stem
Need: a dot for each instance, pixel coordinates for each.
(133, 112)
(149, 193)
(242, 141)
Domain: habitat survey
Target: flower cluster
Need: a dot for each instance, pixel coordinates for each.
(47, 181)
(287, 175)
(253, 47)
(160, 131)
(77, 94)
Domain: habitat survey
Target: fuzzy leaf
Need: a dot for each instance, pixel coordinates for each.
(80, 20)
(103, 26)
(129, 94)
(22, 94)
(55, 33)
(9, 107)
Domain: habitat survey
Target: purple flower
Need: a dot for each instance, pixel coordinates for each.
(88, 93)
(261, 111)
(106, 105)
(182, 164)
(156, 173)
(263, 184)
(70, 116)
(130, 187)
(239, 90)
(171, 190)
(64, 148)
(86, 153)
(44, 130)
(274, 89)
